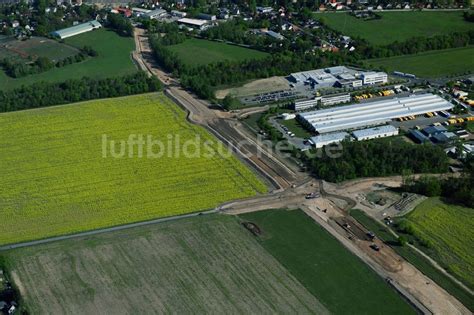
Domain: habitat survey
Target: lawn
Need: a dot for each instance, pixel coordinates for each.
(414, 258)
(450, 230)
(202, 265)
(113, 60)
(58, 177)
(294, 126)
(431, 64)
(340, 280)
(196, 52)
(397, 26)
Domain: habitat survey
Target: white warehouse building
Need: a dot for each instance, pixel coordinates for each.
(77, 29)
(372, 113)
(328, 138)
(376, 132)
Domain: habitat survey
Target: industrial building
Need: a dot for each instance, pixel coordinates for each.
(370, 78)
(376, 132)
(324, 100)
(155, 14)
(194, 23)
(339, 76)
(418, 136)
(336, 99)
(329, 138)
(371, 113)
(306, 104)
(77, 29)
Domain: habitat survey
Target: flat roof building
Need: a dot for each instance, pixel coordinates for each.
(376, 132)
(155, 14)
(372, 113)
(431, 131)
(195, 23)
(77, 29)
(370, 78)
(418, 136)
(329, 138)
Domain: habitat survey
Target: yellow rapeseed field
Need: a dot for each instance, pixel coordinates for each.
(58, 173)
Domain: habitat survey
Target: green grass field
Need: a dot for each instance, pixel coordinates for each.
(414, 258)
(450, 230)
(397, 26)
(113, 60)
(196, 52)
(341, 281)
(36, 47)
(431, 64)
(294, 126)
(206, 265)
(55, 179)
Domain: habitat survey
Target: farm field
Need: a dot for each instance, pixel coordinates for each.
(430, 64)
(113, 60)
(58, 177)
(397, 26)
(339, 279)
(414, 258)
(207, 264)
(449, 228)
(196, 52)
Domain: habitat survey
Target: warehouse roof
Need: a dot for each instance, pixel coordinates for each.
(433, 130)
(418, 136)
(374, 131)
(373, 113)
(77, 29)
(329, 138)
(194, 22)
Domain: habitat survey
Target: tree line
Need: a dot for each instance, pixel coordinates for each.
(377, 158)
(455, 189)
(18, 69)
(120, 24)
(44, 94)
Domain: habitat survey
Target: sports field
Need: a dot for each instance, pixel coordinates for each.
(207, 265)
(113, 60)
(195, 52)
(397, 26)
(449, 228)
(35, 47)
(59, 176)
(431, 64)
(341, 281)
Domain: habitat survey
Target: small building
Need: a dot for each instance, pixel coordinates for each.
(335, 99)
(370, 78)
(418, 136)
(329, 138)
(155, 14)
(376, 132)
(306, 104)
(138, 12)
(194, 23)
(264, 10)
(15, 24)
(431, 131)
(179, 14)
(288, 116)
(207, 17)
(444, 137)
(77, 29)
(275, 35)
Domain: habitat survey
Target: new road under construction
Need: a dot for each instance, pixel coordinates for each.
(292, 188)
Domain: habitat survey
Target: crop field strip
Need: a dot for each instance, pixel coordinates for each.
(340, 280)
(449, 228)
(113, 60)
(55, 181)
(203, 264)
(397, 26)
